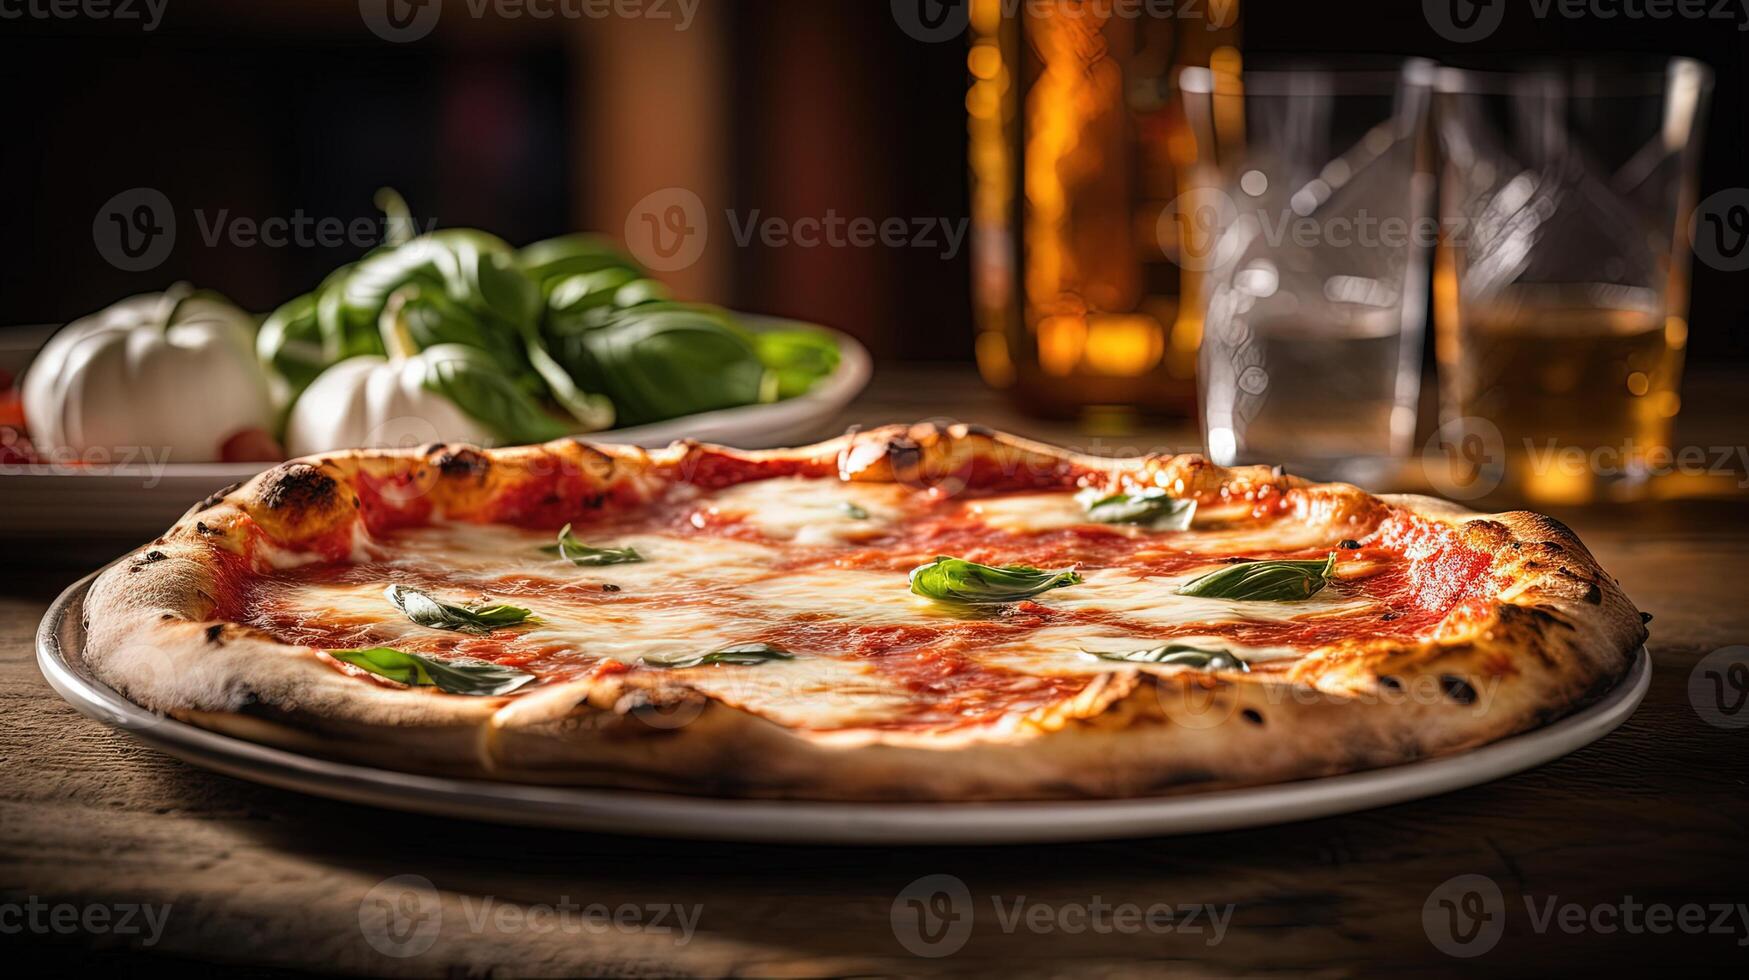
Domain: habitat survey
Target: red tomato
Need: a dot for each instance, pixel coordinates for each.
(251, 446)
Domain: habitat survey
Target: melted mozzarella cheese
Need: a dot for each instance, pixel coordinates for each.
(696, 592)
(811, 511)
(1069, 650)
(1154, 600)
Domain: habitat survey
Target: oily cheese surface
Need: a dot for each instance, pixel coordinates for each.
(819, 568)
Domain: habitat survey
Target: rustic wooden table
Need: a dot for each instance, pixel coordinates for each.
(1627, 855)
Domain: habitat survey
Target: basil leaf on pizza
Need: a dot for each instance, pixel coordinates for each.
(419, 670)
(1176, 655)
(741, 655)
(948, 579)
(576, 552)
(854, 511)
(1151, 508)
(1264, 581)
(427, 610)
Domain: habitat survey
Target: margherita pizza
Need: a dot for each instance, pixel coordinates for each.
(909, 613)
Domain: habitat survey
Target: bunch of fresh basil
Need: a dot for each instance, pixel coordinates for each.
(572, 324)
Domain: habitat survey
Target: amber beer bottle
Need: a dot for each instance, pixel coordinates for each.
(1078, 145)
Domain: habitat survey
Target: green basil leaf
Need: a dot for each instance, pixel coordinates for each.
(1176, 655)
(853, 511)
(419, 670)
(426, 610)
(578, 553)
(741, 655)
(798, 357)
(477, 384)
(948, 579)
(659, 361)
(1264, 581)
(1150, 508)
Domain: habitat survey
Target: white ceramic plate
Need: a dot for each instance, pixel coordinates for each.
(61, 635)
(139, 499)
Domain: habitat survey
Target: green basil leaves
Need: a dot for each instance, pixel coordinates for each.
(419, 670)
(1264, 581)
(949, 579)
(578, 553)
(1150, 508)
(1176, 655)
(426, 610)
(741, 655)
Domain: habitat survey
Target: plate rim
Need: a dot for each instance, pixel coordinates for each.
(642, 813)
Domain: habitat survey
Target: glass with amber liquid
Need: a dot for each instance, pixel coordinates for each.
(1560, 286)
(1077, 141)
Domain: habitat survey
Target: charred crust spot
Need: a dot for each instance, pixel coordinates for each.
(1457, 689)
(167, 616)
(213, 498)
(1645, 618)
(1349, 544)
(1252, 715)
(214, 631)
(462, 462)
(299, 486)
(903, 453)
(152, 556)
(1390, 683)
(1389, 616)
(200, 527)
(1594, 595)
(609, 587)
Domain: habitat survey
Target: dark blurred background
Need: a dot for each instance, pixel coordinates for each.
(532, 127)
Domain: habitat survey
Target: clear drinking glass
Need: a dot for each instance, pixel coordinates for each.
(1313, 217)
(1561, 280)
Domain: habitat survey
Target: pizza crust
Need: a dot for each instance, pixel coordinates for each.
(1558, 635)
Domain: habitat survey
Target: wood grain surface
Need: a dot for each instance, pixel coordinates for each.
(95, 829)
